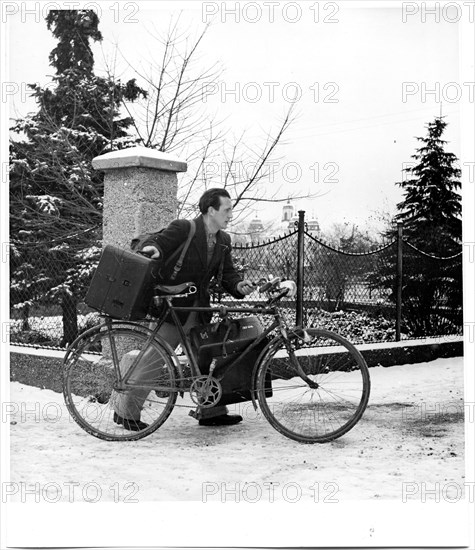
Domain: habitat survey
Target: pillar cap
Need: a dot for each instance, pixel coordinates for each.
(139, 156)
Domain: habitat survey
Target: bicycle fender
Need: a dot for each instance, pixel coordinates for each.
(71, 346)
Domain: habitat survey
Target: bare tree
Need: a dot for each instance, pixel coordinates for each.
(173, 118)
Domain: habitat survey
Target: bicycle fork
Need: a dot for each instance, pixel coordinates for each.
(294, 361)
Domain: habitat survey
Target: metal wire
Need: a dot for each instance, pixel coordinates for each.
(352, 292)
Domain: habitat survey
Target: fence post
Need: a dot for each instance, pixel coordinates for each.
(300, 268)
(399, 282)
(140, 192)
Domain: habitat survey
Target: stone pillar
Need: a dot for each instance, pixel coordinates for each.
(140, 192)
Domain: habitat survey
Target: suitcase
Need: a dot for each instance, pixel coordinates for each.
(122, 285)
(223, 341)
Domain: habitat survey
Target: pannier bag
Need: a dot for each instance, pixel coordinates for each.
(122, 285)
(224, 341)
(224, 338)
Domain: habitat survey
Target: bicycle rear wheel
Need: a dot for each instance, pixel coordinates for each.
(93, 386)
(326, 407)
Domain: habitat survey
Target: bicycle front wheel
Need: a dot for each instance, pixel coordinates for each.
(330, 397)
(94, 389)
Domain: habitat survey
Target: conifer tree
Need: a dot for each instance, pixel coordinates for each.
(431, 209)
(55, 195)
(430, 214)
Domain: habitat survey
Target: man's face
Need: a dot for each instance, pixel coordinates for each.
(224, 214)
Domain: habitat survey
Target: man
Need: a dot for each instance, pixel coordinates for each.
(209, 253)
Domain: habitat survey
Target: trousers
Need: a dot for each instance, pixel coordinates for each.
(130, 404)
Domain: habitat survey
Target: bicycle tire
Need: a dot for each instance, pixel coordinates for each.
(91, 376)
(323, 413)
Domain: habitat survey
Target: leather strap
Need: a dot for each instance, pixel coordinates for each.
(184, 250)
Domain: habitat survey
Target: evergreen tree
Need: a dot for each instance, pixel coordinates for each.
(431, 209)
(431, 220)
(55, 195)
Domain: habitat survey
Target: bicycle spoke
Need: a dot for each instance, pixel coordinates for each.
(330, 403)
(110, 375)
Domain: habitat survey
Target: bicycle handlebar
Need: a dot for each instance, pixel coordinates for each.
(270, 285)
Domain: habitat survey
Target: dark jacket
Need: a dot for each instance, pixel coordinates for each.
(195, 266)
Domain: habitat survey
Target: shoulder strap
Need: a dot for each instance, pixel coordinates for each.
(219, 277)
(184, 250)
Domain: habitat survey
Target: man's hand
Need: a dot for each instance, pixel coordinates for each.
(151, 251)
(245, 287)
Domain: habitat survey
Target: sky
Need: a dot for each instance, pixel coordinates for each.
(364, 80)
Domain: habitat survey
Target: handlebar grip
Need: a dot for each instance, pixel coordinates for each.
(279, 296)
(270, 284)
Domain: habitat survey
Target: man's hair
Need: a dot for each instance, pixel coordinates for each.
(212, 197)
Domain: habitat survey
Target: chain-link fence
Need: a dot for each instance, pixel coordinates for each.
(261, 262)
(340, 292)
(48, 282)
(392, 293)
(431, 293)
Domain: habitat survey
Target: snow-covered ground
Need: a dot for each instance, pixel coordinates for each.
(410, 439)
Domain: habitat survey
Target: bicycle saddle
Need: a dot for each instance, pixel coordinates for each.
(176, 289)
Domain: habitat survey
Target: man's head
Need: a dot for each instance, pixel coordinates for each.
(216, 205)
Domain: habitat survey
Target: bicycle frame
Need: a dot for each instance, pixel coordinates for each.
(277, 323)
(185, 342)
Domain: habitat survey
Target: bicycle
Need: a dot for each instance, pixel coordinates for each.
(319, 382)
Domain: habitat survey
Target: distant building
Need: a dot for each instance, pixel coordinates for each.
(287, 212)
(313, 226)
(255, 227)
(290, 217)
(250, 233)
(256, 231)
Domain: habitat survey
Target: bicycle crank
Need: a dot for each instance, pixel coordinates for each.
(205, 391)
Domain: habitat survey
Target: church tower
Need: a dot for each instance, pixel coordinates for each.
(287, 212)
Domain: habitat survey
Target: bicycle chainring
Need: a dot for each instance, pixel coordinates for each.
(205, 391)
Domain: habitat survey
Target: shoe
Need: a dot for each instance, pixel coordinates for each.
(221, 420)
(132, 425)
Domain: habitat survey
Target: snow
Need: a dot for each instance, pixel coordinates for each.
(396, 479)
(411, 433)
(139, 156)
